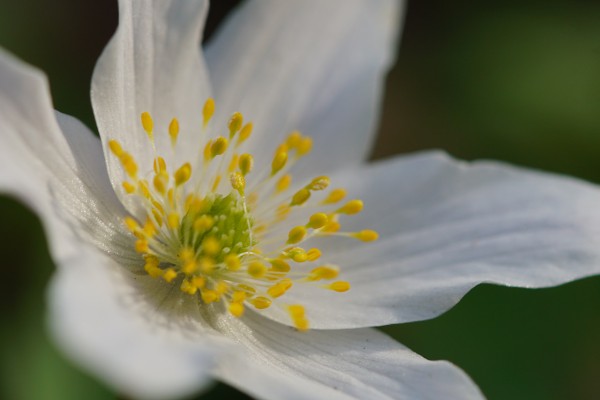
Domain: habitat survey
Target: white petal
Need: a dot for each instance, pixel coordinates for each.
(314, 66)
(447, 226)
(280, 362)
(61, 177)
(129, 330)
(152, 64)
(64, 179)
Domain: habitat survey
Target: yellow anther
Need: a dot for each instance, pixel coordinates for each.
(211, 246)
(219, 146)
(150, 259)
(115, 147)
(305, 146)
(183, 174)
(169, 274)
(235, 123)
(232, 262)
(148, 124)
(189, 267)
(313, 254)
(206, 265)
(245, 133)
(198, 282)
(300, 257)
(203, 223)
(318, 183)
(279, 288)
(246, 163)
(193, 204)
(131, 224)
(141, 246)
(233, 163)
(366, 235)
(339, 286)
(335, 196)
(283, 147)
(171, 197)
(153, 270)
(209, 296)
(260, 302)
(159, 165)
(158, 207)
(300, 197)
(129, 164)
(296, 310)
(207, 151)
(257, 269)
(221, 287)
(278, 162)
(208, 110)
(187, 254)
(238, 296)
(246, 289)
(161, 180)
(144, 190)
(278, 265)
(173, 220)
(297, 254)
(238, 182)
(187, 287)
(236, 309)
(174, 131)
(283, 183)
(157, 217)
(298, 318)
(149, 228)
(318, 220)
(351, 207)
(294, 139)
(296, 235)
(323, 272)
(128, 187)
(331, 227)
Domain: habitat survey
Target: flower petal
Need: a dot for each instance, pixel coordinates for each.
(60, 175)
(152, 64)
(130, 330)
(446, 226)
(314, 66)
(63, 178)
(280, 362)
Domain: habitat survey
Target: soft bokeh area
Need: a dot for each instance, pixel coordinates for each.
(517, 81)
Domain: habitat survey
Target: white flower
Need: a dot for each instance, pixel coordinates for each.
(151, 303)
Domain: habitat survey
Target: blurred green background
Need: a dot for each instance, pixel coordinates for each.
(517, 81)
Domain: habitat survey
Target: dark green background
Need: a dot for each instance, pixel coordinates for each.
(517, 81)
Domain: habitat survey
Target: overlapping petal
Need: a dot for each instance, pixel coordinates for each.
(134, 332)
(60, 176)
(280, 362)
(315, 66)
(447, 226)
(152, 64)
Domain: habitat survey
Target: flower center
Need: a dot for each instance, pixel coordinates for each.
(234, 243)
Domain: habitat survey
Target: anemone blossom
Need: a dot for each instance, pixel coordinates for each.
(216, 231)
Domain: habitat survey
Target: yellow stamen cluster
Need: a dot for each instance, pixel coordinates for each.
(208, 241)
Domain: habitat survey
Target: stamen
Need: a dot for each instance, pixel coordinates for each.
(205, 241)
(174, 131)
(235, 124)
(208, 111)
(148, 125)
